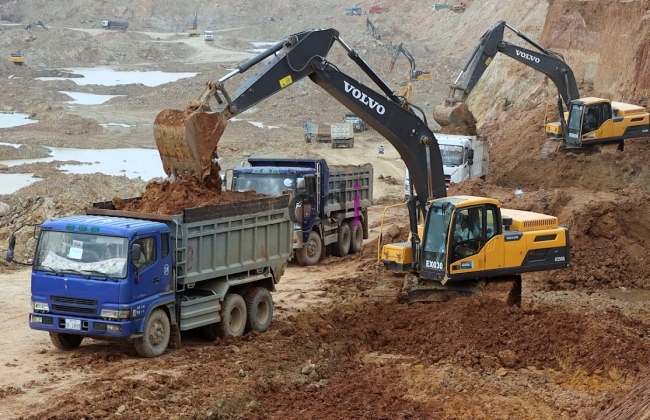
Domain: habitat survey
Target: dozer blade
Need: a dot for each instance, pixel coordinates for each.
(187, 143)
(458, 115)
(415, 289)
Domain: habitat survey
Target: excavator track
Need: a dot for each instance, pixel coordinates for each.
(506, 289)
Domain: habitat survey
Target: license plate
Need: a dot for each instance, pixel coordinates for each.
(73, 324)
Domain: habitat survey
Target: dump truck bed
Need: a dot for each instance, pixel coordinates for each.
(224, 239)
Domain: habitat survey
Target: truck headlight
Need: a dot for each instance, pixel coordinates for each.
(115, 314)
(40, 306)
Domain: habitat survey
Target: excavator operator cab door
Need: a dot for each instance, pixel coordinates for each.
(588, 123)
(434, 244)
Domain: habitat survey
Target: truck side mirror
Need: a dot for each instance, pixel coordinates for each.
(136, 250)
(470, 157)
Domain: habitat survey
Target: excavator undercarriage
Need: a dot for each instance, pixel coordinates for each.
(415, 289)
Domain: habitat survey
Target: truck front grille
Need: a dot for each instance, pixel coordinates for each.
(73, 305)
(74, 301)
(73, 309)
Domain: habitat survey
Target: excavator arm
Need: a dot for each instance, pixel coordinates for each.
(543, 60)
(413, 74)
(187, 139)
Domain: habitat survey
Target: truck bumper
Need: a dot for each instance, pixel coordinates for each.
(80, 326)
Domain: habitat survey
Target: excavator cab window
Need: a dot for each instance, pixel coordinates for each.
(470, 231)
(575, 123)
(436, 232)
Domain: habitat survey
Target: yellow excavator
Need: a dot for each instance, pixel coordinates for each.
(586, 122)
(17, 58)
(194, 30)
(464, 245)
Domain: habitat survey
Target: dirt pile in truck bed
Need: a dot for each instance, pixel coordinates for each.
(168, 197)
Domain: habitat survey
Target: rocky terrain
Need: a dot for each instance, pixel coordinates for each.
(341, 346)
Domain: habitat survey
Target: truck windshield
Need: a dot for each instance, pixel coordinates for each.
(263, 183)
(435, 242)
(83, 252)
(452, 155)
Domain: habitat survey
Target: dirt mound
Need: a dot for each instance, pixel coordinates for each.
(169, 197)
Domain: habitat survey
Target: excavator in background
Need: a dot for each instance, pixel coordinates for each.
(17, 58)
(442, 258)
(35, 24)
(585, 122)
(194, 30)
(414, 75)
(370, 28)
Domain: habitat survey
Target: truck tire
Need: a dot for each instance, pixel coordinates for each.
(233, 316)
(341, 247)
(65, 341)
(310, 252)
(356, 237)
(259, 305)
(155, 339)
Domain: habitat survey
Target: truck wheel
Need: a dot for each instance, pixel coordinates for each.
(341, 247)
(65, 341)
(233, 316)
(259, 305)
(155, 339)
(310, 252)
(356, 235)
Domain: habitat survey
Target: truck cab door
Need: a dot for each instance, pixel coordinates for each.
(152, 273)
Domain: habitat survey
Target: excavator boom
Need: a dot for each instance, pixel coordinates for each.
(550, 63)
(187, 140)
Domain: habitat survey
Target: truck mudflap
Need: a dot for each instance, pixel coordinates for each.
(415, 289)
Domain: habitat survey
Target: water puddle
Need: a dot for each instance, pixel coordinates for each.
(8, 120)
(262, 46)
(106, 76)
(79, 98)
(132, 163)
(256, 123)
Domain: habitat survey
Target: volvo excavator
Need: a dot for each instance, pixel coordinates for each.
(585, 121)
(440, 260)
(414, 75)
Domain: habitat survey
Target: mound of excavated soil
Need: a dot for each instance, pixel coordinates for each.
(168, 197)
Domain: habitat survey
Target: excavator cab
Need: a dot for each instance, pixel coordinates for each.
(592, 121)
(470, 245)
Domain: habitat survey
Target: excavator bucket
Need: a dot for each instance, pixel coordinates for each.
(187, 142)
(458, 115)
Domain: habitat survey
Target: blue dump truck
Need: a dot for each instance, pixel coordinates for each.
(113, 274)
(331, 210)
